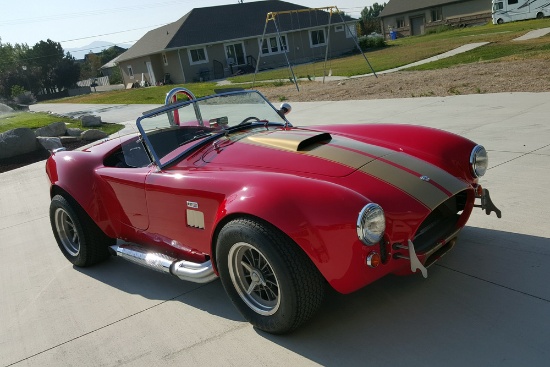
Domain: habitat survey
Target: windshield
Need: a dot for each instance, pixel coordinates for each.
(172, 130)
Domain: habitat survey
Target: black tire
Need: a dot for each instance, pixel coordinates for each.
(540, 15)
(267, 276)
(78, 237)
(500, 21)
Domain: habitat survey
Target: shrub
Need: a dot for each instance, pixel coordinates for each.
(371, 42)
(16, 91)
(26, 98)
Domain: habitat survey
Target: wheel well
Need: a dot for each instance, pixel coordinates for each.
(234, 216)
(56, 190)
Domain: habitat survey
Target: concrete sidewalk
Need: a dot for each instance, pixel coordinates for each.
(487, 303)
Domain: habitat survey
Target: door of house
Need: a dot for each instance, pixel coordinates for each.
(234, 53)
(152, 79)
(417, 26)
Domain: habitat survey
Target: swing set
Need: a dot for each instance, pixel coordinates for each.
(274, 17)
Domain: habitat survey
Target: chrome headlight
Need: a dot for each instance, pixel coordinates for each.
(479, 161)
(371, 224)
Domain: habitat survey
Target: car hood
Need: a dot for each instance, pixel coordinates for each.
(313, 152)
(292, 151)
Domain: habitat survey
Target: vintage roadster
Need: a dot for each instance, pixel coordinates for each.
(224, 186)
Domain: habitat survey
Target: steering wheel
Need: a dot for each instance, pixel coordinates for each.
(249, 119)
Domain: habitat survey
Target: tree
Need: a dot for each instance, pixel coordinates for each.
(41, 68)
(369, 21)
(66, 73)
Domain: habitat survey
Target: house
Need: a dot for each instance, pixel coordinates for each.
(410, 18)
(219, 41)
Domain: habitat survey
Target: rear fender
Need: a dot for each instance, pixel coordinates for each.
(71, 173)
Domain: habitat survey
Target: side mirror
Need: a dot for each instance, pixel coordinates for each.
(284, 109)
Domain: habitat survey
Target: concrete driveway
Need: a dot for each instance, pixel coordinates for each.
(487, 303)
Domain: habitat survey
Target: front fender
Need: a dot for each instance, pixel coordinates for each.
(319, 216)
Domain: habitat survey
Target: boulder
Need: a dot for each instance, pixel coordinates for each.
(93, 134)
(5, 108)
(50, 143)
(69, 139)
(52, 130)
(74, 131)
(17, 141)
(90, 120)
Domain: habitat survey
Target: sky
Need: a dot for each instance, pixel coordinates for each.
(116, 21)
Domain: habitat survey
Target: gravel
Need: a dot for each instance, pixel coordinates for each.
(477, 78)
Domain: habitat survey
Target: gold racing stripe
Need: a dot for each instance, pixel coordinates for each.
(397, 169)
(436, 174)
(426, 193)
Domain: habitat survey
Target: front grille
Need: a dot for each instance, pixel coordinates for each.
(440, 224)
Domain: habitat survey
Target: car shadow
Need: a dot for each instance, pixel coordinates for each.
(488, 290)
(486, 302)
(134, 279)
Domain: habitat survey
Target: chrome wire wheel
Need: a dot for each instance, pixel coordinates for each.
(67, 232)
(254, 279)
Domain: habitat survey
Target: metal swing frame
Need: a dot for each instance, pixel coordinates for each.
(272, 16)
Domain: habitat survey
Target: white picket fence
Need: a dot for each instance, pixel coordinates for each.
(101, 81)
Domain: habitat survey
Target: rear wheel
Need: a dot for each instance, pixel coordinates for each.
(77, 236)
(540, 15)
(268, 277)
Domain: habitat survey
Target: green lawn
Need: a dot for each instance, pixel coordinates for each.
(399, 52)
(36, 120)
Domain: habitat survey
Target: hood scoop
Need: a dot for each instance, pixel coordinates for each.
(297, 141)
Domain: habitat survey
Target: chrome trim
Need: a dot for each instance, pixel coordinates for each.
(415, 263)
(185, 270)
(473, 159)
(58, 150)
(360, 224)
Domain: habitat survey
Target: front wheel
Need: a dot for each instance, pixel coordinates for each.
(268, 277)
(77, 236)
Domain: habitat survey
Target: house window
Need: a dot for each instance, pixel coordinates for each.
(400, 22)
(235, 54)
(130, 72)
(197, 56)
(274, 45)
(165, 59)
(436, 14)
(317, 38)
(351, 31)
(338, 28)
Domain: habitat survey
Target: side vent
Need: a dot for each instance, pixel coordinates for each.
(195, 219)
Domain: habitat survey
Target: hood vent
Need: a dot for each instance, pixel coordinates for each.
(292, 140)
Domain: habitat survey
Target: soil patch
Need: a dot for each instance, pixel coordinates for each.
(477, 78)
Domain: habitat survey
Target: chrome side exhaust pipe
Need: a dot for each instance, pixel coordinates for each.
(185, 270)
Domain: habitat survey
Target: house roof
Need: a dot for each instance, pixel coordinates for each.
(227, 22)
(403, 6)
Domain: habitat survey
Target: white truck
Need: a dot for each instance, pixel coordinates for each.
(511, 10)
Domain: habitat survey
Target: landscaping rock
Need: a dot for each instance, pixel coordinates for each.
(52, 130)
(93, 134)
(90, 120)
(17, 141)
(5, 108)
(69, 139)
(50, 143)
(74, 131)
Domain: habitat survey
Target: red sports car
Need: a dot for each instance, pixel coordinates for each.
(224, 186)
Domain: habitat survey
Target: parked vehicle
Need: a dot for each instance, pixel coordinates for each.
(512, 10)
(224, 186)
